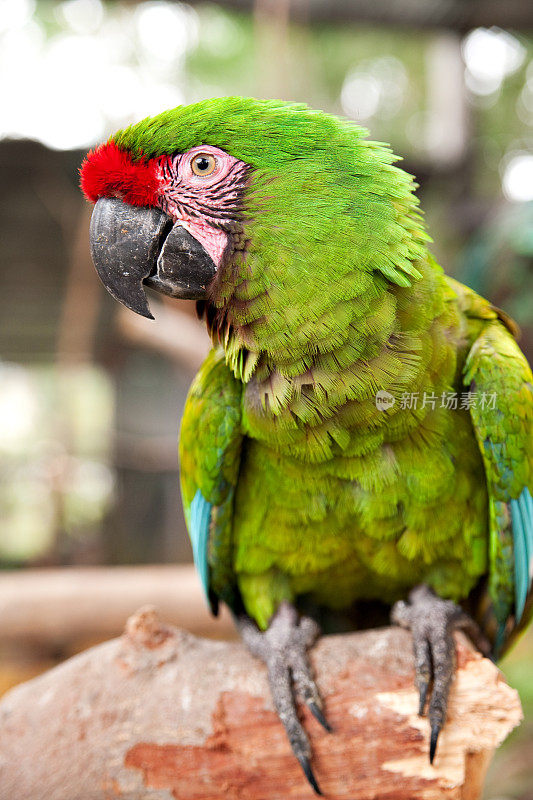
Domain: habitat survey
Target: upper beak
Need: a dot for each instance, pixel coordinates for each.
(131, 245)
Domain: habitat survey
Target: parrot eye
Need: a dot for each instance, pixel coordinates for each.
(203, 164)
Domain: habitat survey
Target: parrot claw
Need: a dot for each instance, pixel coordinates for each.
(432, 621)
(306, 766)
(318, 714)
(423, 686)
(283, 648)
(435, 730)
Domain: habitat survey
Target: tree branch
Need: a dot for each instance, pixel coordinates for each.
(160, 714)
(52, 607)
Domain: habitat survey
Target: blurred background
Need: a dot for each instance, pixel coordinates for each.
(91, 395)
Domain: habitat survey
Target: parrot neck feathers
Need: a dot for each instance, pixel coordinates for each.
(335, 349)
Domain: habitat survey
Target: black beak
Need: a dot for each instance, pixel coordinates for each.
(132, 246)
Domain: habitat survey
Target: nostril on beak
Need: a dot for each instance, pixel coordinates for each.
(164, 233)
(184, 268)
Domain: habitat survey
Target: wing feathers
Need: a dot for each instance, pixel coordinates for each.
(522, 517)
(199, 532)
(210, 448)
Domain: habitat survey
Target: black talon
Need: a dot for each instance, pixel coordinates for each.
(318, 715)
(435, 730)
(423, 697)
(306, 766)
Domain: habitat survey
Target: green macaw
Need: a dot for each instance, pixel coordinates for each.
(362, 428)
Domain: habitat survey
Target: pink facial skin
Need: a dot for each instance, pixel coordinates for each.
(205, 205)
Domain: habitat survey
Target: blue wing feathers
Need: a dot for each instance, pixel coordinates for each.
(200, 518)
(522, 519)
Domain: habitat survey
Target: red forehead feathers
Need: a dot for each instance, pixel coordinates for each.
(108, 171)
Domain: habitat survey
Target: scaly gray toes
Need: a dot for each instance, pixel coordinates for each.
(423, 670)
(305, 685)
(442, 651)
(283, 648)
(432, 621)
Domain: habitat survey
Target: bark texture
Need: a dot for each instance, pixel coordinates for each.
(160, 714)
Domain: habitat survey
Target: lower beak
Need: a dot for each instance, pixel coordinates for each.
(132, 246)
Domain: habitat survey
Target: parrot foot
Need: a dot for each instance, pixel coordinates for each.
(283, 648)
(432, 621)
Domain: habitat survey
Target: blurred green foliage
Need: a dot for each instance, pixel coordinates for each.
(56, 480)
(511, 773)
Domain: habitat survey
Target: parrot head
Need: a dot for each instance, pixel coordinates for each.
(269, 213)
(164, 221)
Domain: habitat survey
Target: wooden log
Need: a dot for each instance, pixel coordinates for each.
(160, 714)
(55, 606)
